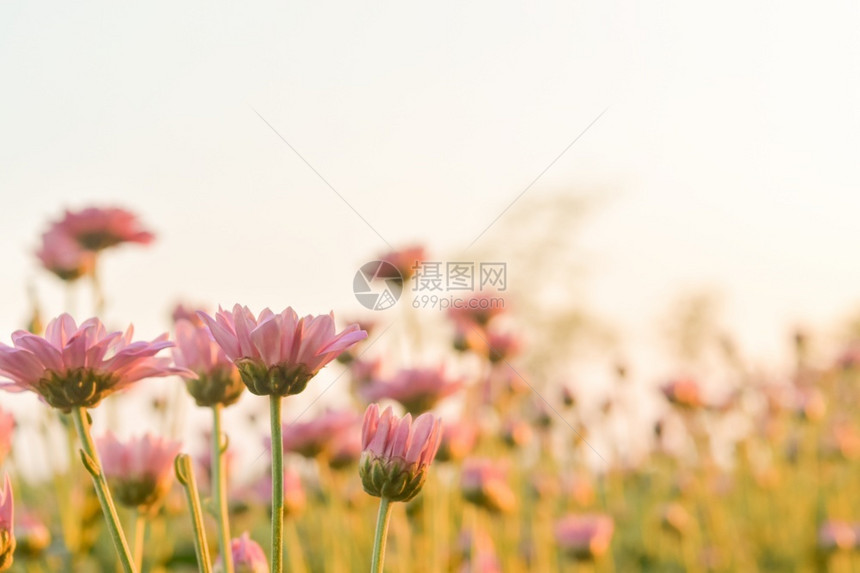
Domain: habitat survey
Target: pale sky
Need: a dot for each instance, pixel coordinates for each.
(728, 148)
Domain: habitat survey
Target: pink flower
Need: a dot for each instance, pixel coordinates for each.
(183, 312)
(7, 426)
(516, 432)
(248, 557)
(32, 535)
(418, 389)
(484, 483)
(475, 552)
(406, 260)
(344, 450)
(77, 366)
(397, 453)
(61, 254)
(835, 534)
(316, 436)
(458, 440)
(584, 536)
(140, 470)
(217, 379)
(295, 498)
(95, 229)
(502, 346)
(477, 311)
(683, 392)
(278, 354)
(7, 519)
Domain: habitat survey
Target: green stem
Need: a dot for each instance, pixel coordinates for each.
(219, 490)
(381, 536)
(90, 457)
(139, 535)
(185, 475)
(277, 484)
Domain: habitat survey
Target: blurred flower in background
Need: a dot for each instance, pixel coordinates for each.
(139, 470)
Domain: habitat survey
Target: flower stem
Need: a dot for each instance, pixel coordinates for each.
(381, 537)
(219, 490)
(91, 460)
(185, 475)
(277, 484)
(139, 535)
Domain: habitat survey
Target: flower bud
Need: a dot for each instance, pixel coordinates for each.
(397, 453)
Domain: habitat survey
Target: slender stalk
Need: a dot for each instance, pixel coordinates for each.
(185, 475)
(381, 536)
(90, 457)
(219, 490)
(277, 484)
(139, 536)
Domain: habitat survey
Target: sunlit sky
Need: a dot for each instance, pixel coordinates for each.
(727, 153)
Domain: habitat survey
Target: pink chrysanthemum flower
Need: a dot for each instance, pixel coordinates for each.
(585, 536)
(683, 392)
(63, 256)
(406, 260)
(248, 557)
(217, 379)
(835, 534)
(484, 483)
(278, 354)
(96, 229)
(397, 453)
(477, 311)
(32, 536)
(295, 498)
(418, 389)
(7, 426)
(138, 471)
(344, 450)
(77, 366)
(7, 519)
(458, 440)
(317, 436)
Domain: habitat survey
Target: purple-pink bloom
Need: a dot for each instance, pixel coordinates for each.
(683, 392)
(316, 436)
(485, 483)
(278, 354)
(417, 389)
(139, 471)
(458, 440)
(7, 519)
(217, 380)
(248, 556)
(96, 228)
(77, 366)
(63, 256)
(406, 260)
(397, 452)
(295, 498)
(477, 311)
(835, 534)
(584, 536)
(32, 536)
